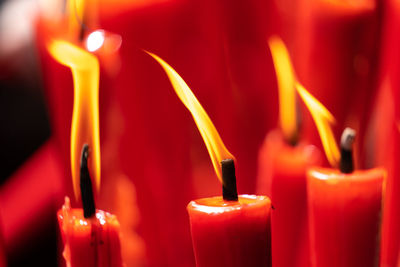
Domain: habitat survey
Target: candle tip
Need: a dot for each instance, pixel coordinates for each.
(229, 190)
(88, 205)
(346, 150)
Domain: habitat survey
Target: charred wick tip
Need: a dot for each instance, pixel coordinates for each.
(229, 190)
(294, 139)
(346, 150)
(88, 205)
(81, 33)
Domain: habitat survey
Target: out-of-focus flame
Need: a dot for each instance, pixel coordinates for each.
(286, 84)
(213, 141)
(85, 116)
(323, 120)
(76, 9)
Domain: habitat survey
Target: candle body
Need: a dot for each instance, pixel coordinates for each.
(231, 233)
(344, 217)
(282, 176)
(92, 242)
(386, 149)
(338, 59)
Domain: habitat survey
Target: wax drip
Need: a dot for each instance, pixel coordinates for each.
(229, 190)
(346, 150)
(89, 208)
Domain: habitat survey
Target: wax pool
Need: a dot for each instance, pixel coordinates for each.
(92, 242)
(282, 177)
(231, 233)
(344, 217)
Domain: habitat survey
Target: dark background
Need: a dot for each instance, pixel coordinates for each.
(24, 128)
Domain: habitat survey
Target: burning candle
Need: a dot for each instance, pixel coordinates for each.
(283, 160)
(232, 230)
(85, 114)
(91, 236)
(344, 205)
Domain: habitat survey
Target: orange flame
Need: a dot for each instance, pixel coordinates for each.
(76, 10)
(287, 85)
(85, 116)
(213, 141)
(323, 120)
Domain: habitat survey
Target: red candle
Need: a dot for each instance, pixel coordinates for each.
(90, 236)
(345, 214)
(385, 129)
(231, 233)
(344, 207)
(282, 176)
(283, 160)
(90, 241)
(227, 230)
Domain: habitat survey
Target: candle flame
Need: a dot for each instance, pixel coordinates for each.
(76, 10)
(213, 141)
(286, 85)
(323, 120)
(85, 116)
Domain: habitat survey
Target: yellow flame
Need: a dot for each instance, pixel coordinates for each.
(323, 120)
(85, 116)
(76, 9)
(213, 141)
(286, 85)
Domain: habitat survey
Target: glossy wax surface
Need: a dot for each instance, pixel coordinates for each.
(93, 242)
(231, 233)
(282, 177)
(345, 217)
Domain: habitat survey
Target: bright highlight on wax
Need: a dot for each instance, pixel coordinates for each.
(286, 85)
(85, 115)
(213, 141)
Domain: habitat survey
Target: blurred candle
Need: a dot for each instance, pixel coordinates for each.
(336, 55)
(283, 161)
(230, 230)
(282, 176)
(385, 151)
